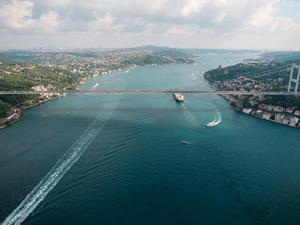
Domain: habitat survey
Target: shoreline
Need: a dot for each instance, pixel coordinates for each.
(224, 97)
(238, 110)
(100, 74)
(28, 107)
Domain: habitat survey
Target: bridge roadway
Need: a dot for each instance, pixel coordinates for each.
(148, 92)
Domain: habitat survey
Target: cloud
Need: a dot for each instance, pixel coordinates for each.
(16, 14)
(184, 18)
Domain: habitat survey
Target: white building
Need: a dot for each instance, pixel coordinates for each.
(266, 116)
(293, 121)
(246, 110)
(278, 117)
(253, 103)
(278, 109)
(286, 120)
(259, 112)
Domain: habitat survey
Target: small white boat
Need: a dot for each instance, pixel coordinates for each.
(209, 103)
(194, 79)
(184, 142)
(211, 124)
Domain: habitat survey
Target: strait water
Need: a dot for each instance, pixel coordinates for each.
(117, 159)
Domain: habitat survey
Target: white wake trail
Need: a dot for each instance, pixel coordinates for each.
(74, 153)
(218, 119)
(96, 85)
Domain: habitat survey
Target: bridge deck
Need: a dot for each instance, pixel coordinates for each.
(148, 92)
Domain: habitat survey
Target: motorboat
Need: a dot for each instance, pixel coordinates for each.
(211, 124)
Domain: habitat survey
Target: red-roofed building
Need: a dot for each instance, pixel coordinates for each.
(262, 106)
(16, 116)
(4, 121)
(266, 116)
(289, 110)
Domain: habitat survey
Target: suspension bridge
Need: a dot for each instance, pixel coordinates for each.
(264, 73)
(150, 92)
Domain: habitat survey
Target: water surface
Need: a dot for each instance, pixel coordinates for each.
(117, 159)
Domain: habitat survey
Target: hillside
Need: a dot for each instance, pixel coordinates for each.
(278, 56)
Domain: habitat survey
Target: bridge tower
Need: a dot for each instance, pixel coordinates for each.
(294, 80)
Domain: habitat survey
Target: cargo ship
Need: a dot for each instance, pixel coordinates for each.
(178, 97)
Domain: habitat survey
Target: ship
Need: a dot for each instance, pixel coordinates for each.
(211, 124)
(178, 97)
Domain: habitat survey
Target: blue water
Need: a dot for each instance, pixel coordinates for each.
(117, 159)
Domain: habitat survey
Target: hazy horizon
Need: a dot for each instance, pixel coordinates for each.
(138, 46)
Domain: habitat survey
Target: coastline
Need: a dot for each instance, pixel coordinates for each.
(87, 78)
(238, 110)
(28, 107)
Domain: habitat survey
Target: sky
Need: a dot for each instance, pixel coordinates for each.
(227, 24)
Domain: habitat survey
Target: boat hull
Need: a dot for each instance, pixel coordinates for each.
(178, 97)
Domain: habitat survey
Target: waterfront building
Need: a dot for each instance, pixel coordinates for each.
(239, 104)
(266, 116)
(247, 110)
(4, 121)
(259, 112)
(278, 117)
(293, 121)
(286, 120)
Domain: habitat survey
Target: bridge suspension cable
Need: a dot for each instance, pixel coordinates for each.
(260, 74)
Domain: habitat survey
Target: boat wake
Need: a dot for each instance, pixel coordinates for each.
(216, 121)
(96, 85)
(39, 193)
(189, 115)
(218, 118)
